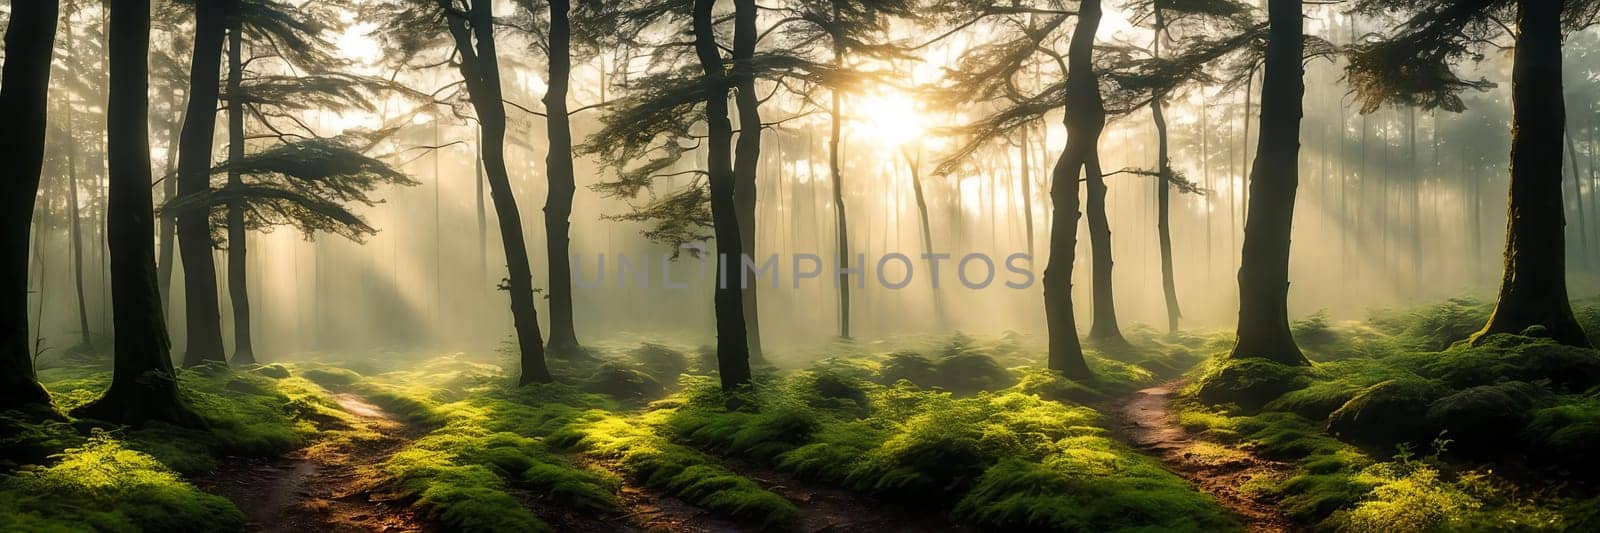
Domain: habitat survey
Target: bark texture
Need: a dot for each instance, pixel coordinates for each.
(1274, 177)
(1533, 288)
(562, 187)
(1085, 119)
(733, 352)
(194, 177)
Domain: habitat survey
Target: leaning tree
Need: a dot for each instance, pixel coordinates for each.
(466, 28)
(1415, 65)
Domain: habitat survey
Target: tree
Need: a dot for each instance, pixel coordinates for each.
(144, 386)
(1413, 67)
(1263, 330)
(1160, 78)
(414, 25)
(194, 171)
(988, 72)
(24, 87)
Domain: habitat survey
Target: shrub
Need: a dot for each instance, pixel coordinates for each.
(623, 383)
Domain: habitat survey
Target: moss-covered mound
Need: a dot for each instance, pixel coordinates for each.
(1389, 413)
(624, 383)
(1250, 383)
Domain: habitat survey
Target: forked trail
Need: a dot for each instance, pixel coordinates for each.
(1147, 423)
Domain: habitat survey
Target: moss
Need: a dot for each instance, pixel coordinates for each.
(661, 362)
(332, 376)
(275, 371)
(909, 366)
(1510, 357)
(1436, 327)
(1567, 434)
(102, 485)
(623, 383)
(1250, 383)
(1021, 496)
(1479, 420)
(1052, 386)
(1317, 400)
(1389, 413)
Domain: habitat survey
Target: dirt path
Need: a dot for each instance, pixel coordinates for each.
(642, 510)
(1147, 423)
(828, 509)
(322, 487)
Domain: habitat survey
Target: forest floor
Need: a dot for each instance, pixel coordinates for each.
(328, 486)
(1144, 419)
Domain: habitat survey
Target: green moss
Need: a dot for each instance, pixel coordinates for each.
(1568, 434)
(102, 485)
(623, 383)
(330, 376)
(1386, 414)
(1510, 357)
(1481, 421)
(661, 362)
(1250, 383)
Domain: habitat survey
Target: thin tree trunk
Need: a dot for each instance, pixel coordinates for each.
(1103, 326)
(927, 235)
(842, 251)
(238, 289)
(562, 186)
(24, 91)
(168, 241)
(1264, 264)
(733, 351)
(194, 177)
(1169, 287)
(1027, 192)
(480, 69)
(747, 156)
(144, 386)
(75, 231)
(1533, 291)
(1577, 190)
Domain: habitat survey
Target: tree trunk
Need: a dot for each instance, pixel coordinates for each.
(194, 177)
(562, 186)
(480, 69)
(1264, 263)
(238, 288)
(747, 156)
(75, 233)
(927, 236)
(24, 89)
(1103, 326)
(168, 243)
(842, 251)
(143, 384)
(1577, 190)
(1169, 285)
(1533, 290)
(1084, 119)
(733, 352)
(1027, 193)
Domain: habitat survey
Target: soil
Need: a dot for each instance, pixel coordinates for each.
(1147, 423)
(324, 487)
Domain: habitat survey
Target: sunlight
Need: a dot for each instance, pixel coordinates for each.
(890, 120)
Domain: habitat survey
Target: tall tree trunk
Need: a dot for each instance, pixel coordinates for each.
(1577, 190)
(1027, 192)
(733, 352)
(1103, 326)
(169, 189)
(747, 157)
(143, 384)
(1084, 119)
(24, 88)
(480, 68)
(1533, 291)
(75, 233)
(1169, 285)
(194, 177)
(238, 288)
(562, 186)
(842, 239)
(915, 164)
(1264, 264)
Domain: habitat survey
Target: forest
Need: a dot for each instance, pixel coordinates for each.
(800, 265)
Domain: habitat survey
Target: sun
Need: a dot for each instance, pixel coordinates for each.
(887, 119)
